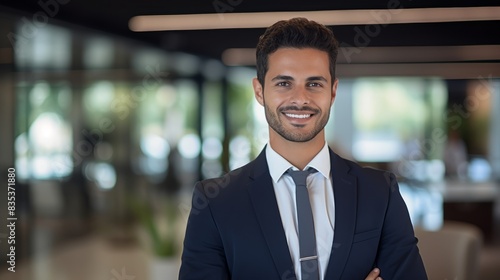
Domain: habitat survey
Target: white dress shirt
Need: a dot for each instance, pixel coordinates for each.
(320, 189)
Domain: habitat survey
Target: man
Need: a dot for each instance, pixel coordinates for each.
(245, 224)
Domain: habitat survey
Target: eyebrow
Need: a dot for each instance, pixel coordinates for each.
(317, 78)
(283, 77)
(290, 78)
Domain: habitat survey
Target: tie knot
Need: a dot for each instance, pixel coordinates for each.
(299, 177)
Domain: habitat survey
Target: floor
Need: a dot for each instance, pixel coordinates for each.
(91, 258)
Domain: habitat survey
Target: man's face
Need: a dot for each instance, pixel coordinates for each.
(298, 93)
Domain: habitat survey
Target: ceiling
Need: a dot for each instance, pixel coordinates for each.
(112, 16)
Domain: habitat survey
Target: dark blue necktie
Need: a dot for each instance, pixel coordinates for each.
(307, 238)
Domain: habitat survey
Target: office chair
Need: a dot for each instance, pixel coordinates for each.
(451, 253)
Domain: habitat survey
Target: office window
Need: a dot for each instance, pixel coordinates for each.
(395, 117)
(43, 143)
(166, 143)
(49, 47)
(247, 122)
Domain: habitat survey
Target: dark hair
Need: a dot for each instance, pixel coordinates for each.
(295, 33)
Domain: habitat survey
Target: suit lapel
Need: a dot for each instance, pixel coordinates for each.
(345, 192)
(266, 209)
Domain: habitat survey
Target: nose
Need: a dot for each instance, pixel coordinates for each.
(300, 96)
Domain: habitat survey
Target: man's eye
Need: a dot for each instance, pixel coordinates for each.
(283, 84)
(314, 84)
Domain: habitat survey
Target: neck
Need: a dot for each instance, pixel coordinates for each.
(297, 153)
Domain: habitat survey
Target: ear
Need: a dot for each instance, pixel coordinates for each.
(334, 91)
(258, 91)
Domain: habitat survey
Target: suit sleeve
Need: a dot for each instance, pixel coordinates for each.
(398, 256)
(203, 255)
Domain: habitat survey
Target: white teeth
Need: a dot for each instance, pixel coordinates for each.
(298, 116)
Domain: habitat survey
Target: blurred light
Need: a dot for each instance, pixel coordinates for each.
(240, 146)
(41, 167)
(423, 170)
(425, 206)
(98, 52)
(261, 136)
(392, 15)
(258, 112)
(241, 76)
(49, 133)
(51, 143)
(100, 96)
(88, 171)
(189, 146)
(21, 144)
(153, 166)
(211, 169)
(39, 94)
(479, 170)
(435, 170)
(211, 148)
(239, 151)
(166, 95)
(62, 165)
(419, 170)
(103, 174)
(155, 146)
(22, 167)
(48, 47)
(383, 148)
(46, 167)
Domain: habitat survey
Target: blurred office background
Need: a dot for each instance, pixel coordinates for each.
(109, 124)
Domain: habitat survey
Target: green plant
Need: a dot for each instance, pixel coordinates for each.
(163, 243)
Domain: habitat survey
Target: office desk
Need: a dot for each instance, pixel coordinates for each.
(471, 202)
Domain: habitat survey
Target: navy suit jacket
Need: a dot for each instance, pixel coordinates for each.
(234, 230)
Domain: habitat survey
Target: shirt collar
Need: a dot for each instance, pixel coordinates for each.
(279, 165)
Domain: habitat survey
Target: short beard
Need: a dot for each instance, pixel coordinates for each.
(275, 123)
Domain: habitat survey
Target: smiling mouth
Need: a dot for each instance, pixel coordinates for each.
(298, 116)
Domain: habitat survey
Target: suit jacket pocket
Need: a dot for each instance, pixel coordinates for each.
(365, 235)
